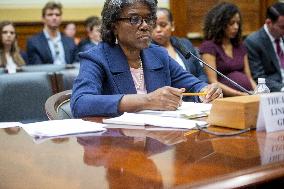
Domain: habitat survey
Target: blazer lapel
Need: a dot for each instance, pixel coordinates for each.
(269, 48)
(176, 43)
(153, 70)
(66, 49)
(120, 69)
(46, 49)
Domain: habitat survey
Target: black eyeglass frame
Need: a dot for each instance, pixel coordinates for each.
(138, 20)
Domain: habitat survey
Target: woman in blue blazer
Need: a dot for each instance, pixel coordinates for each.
(125, 73)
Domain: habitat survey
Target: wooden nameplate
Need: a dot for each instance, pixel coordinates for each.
(235, 112)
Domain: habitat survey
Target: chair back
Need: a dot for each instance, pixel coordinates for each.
(2, 70)
(42, 68)
(22, 96)
(57, 106)
(65, 78)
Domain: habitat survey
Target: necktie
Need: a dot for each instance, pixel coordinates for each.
(279, 52)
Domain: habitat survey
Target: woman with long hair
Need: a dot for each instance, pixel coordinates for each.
(10, 57)
(223, 49)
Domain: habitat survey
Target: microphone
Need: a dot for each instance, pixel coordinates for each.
(187, 54)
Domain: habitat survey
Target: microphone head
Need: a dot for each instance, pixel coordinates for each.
(186, 53)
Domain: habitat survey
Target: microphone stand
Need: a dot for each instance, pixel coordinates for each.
(187, 54)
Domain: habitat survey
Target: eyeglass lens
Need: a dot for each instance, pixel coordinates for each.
(137, 20)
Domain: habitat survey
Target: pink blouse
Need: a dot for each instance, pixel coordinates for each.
(136, 73)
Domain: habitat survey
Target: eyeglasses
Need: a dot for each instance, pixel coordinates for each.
(138, 20)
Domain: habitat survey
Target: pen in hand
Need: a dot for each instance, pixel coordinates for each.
(194, 94)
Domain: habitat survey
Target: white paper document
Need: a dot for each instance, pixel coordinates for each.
(9, 124)
(66, 127)
(122, 126)
(154, 120)
(187, 110)
(127, 119)
(271, 112)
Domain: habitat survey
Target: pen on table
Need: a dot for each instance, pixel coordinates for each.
(194, 94)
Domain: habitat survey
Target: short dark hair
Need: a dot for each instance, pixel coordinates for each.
(168, 12)
(111, 12)
(217, 20)
(274, 11)
(51, 5)
(92, 21)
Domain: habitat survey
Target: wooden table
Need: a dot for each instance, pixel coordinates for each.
(127, 158)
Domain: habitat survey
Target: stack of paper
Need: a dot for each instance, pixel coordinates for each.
(154, 120)
(189, 110)
(10, 124)
(66, 127)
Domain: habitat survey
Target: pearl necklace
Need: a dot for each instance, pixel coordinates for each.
(141, 76)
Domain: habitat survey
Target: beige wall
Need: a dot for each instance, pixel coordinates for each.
(30, 10)
(34, 14)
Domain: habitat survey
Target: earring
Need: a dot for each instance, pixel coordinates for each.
(116, 41)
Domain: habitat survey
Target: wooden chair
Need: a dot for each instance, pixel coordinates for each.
(57, 106)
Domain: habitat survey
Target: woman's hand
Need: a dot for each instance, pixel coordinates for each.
(165, 98)
(213, 91)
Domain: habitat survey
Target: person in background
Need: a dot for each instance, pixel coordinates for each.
(70, 31)
(126, 73)
(265, 49)
(224, 50)
(93, 27)
(50, 46)
(162, 35)
(10, 56)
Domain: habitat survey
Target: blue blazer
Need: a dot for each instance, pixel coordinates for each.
(104, 78)
(84, 45)
(263, 60)
(192, 64)
(39, 53)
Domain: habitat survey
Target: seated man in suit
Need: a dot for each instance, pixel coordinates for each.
(50, 46)
(265, 49)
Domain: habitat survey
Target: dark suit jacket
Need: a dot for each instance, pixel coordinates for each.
(104, 78)
(192, 64)
(39, 53)
(84, 45)
(263, 60)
